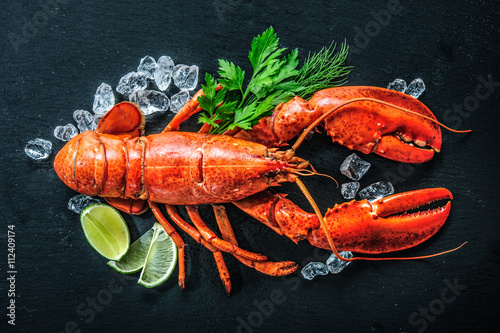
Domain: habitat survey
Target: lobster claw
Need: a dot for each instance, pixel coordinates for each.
(373, 227)
(386, 122)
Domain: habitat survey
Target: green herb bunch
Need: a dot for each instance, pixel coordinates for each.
(275, 79)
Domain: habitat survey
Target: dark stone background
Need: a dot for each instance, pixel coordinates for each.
(54, 56)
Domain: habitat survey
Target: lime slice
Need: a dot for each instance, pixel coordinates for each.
(105, 230)
(135, 258)
(161, 259)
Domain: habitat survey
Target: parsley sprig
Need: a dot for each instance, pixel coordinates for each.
(275, 79)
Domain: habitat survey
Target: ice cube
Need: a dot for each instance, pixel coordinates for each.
(416, 88)
(66, 132)
(314, 268)
(104, 99)
(376, 191)
(335, 265)
(349, 190)
(38, 149)
(354, 167)
(84, 120)
(80, 202)
(178, 100)
(97, 119)
(163, 72)
(398, 85)
(131, 82)
(148, 67)
(150, 101)
(185, 77)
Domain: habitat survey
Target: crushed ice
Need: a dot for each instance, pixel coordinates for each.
(354, 167)
(414, 89)
(38, 149)
(148, 67)
(66, 132)
(84, 120)
(376, 191)
(80, 202)
(178, 100)
(185, 77)
(131, 82)
(349, 190)
(104, 99)
(150, 101)
(312, 269)
(163, 72)
(335, 265)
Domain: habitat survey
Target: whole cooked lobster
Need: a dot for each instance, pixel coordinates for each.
(133, 172)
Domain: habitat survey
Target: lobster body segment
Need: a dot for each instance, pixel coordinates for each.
(175, 168)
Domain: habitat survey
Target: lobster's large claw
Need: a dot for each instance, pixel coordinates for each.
(371, 125)
(373, 227)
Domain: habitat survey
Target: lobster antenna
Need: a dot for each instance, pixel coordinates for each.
(312, 172)
(336, 108)
(322, 222)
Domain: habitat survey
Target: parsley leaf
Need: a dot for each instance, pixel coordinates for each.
(274, 80)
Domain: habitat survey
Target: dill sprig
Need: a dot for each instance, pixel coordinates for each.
(324, 69)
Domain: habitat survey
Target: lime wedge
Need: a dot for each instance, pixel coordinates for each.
(161, 259)
(105, 230)
(135, 258)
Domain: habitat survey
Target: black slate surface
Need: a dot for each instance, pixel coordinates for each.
(55, 54)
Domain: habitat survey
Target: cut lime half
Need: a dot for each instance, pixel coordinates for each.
(105, 230)
(161, 259)
(136, 256)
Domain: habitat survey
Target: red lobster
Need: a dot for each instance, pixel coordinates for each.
(133, 172)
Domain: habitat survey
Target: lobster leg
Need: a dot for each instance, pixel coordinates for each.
(191, 231)
(267, 267)
(190, 108)
(357, 226)
(215, 241)
(176, 238)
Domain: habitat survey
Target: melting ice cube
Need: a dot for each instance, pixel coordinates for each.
(354, 167)
(398, 85)
(38, 149)
(349, 190)
(335, 265)
(104, 99)
(376, 191)
(66, 132)
(416, 88)
(185, 77)
(163, 72)
(131, 82)
(80, 202)
(148, 67)
(84, 120)
(150, 101)
(178, 100)
(314, 268)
